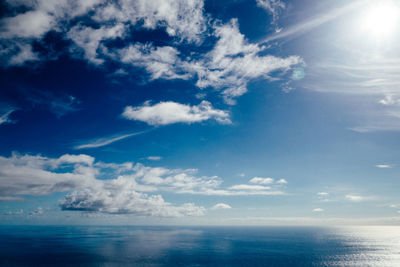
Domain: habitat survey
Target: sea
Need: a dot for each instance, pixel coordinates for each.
(199, 246)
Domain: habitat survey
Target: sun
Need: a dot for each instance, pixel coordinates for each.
(381, 19)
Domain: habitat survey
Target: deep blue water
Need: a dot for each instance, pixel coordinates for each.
(198, 246)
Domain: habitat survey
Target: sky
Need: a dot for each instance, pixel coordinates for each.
(200, 112)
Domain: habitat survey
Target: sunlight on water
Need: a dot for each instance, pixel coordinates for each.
(199, 246)
(370, 246)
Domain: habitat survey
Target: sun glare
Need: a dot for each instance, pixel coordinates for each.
(381, 19)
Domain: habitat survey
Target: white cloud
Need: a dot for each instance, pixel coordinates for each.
(31, 24)
(111, 187)
(24, 54)
(383, 166)
(323, 194)
(233, 62)
(183, 19)
(268, 180)
(274, 7)
(281, 181)
(119, 198)
(249, 187)
(260, 180)
(228, 67)
(90, 39)
(36, 212)
(220, 206)
(318, 210)
(170, 112)
(5, 117)
(356, 198)
(37, 175)
(100, 142)
(271, 5)
(160, 62)
(154, 158)
(17, 212)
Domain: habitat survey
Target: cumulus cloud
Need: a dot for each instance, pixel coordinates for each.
(233, 62)
(89, 39)
(220, 206)
(161, 62)
(183, 20)
(227, 67)
(170, 112)
(281, 181)
(118, 198)
(37, 175)
(114, 188)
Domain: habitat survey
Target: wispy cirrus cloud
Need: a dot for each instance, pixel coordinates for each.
(104, 141)
(311, 23)
(5, 117)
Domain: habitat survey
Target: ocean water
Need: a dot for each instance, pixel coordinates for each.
(198, 246)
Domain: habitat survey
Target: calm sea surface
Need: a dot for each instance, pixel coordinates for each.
(198, 246)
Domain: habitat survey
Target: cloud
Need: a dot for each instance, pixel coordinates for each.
(5, 117)
(31, 24)
(182, 20)
(227, 67)
(89, 39)
(115, 198)
(233, 62)
(170, 112)
(318, 210)
(114, 188)
(273, 7)
(322, 193)
(220, 206)
(37, 175)
(154, 158)
(259, 180)
(356, 198)
(36, 212)
(383, 166)
(249, 187)
(160, 62)
(17, 212)
(100, 142)
(281, 181)
(23, 53)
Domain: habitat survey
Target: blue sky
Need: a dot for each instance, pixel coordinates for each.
(199, 112)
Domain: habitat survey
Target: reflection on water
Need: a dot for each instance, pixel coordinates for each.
(196, 246)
